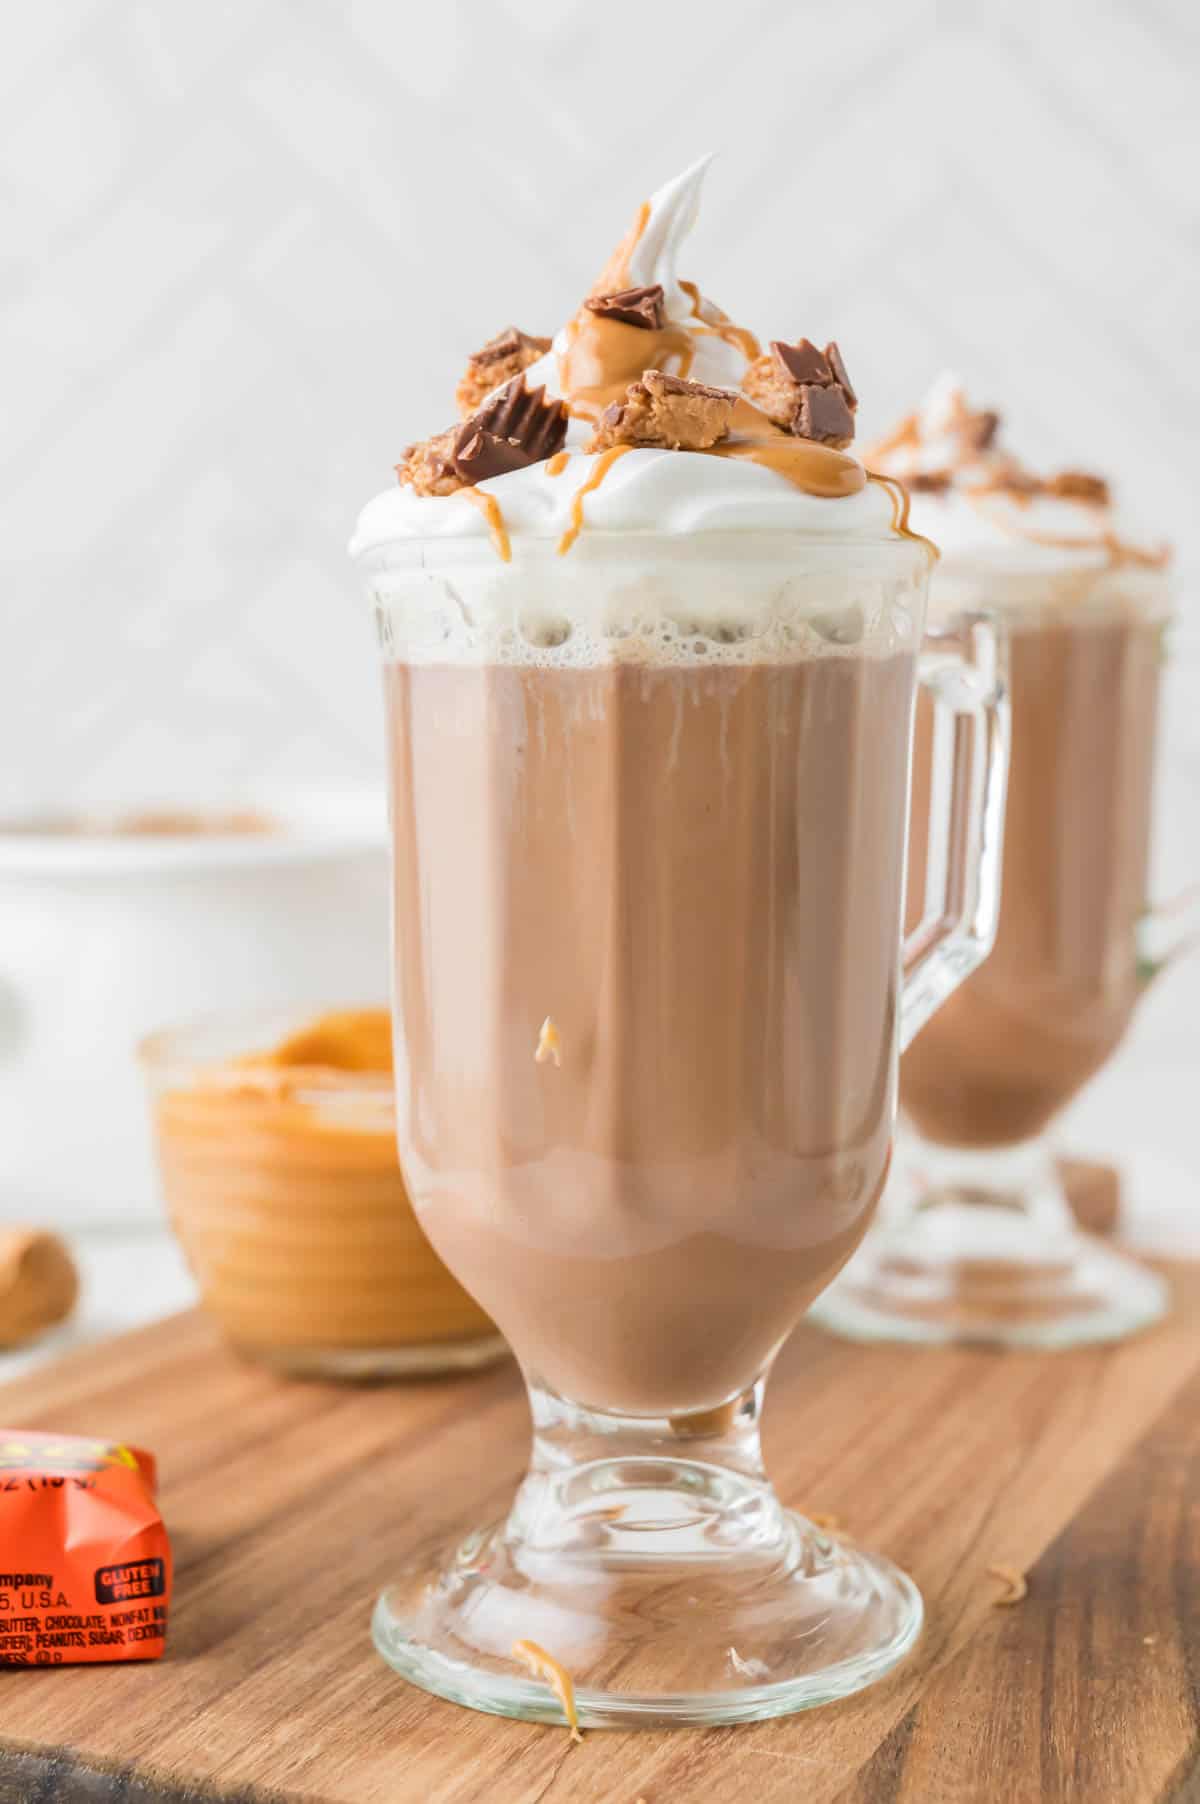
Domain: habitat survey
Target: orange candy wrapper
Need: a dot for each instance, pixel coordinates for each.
(85, 1564)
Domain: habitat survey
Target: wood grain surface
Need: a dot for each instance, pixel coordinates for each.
(290, 1504)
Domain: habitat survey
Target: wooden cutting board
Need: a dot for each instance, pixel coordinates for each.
(290, 1504)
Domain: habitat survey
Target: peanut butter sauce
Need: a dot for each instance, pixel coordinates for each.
(557, 464)
(901, 504)
(817, 469)
(602, 466)
(1117, 550)
(615, 274)
(603, 356)
(717, 323)
(489, 507)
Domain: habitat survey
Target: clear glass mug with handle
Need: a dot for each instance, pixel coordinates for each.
(976, 1239)
(649, 809)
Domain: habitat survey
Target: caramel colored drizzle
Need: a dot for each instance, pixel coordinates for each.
(1118, 550)
(557, 464)
(901, 504)
(816, 469)
(717, 323)
(740, 337)
(604, 464)
(603, 356)
(544, 1666)
(615, 274)
(489, 507)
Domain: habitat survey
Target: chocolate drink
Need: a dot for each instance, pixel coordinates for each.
(694, 870)
(1046, 1010)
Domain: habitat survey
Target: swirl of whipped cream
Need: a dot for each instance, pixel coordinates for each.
(980, 505)
(646, 490)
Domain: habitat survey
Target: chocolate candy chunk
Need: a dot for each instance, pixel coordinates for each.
(1077, 485)
(510, 343)
(501, 358)
(834, 359)
(802, 362)
(824, 415)
(779, 382)
(668, 411)
(517, 427)
(632, 306)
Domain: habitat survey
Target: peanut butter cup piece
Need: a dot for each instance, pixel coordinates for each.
(667, 411)
(824, 415)
(517, 427)
(801, 362)
(501, 358)
(805, 390)
(632, 306)
(428, 466)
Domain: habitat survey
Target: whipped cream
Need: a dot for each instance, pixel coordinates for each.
(974, 518)
(646, 490)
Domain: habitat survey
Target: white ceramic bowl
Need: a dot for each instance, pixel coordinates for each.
(104, 938)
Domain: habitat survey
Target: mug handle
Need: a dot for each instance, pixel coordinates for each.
(964, 667)
(1167, 931)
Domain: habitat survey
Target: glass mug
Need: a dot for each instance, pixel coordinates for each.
(976, 1240)
(649, 807)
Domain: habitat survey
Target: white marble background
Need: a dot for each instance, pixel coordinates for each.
(247, 242)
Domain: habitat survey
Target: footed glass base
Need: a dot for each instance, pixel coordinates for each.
(983, 1248)
(662, 1575)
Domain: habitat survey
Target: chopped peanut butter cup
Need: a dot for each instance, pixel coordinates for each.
(501, 358)
(428, 466)
(666, 411)
(805, 390)
(632, 306)
(517, 427)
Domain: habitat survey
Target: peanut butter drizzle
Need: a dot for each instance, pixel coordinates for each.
(717, 324)
(615, 274)
(603, 356)
(816, 469)
(489, 507)
(557, 464)
(544, 1666)
(901, 503)
(603, 465)
(1118, 550)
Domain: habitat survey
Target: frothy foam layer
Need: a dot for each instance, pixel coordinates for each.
(715, 611)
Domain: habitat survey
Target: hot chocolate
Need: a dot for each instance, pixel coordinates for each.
(694, 870)
(650, 636)
(977, 1241)
(1028, 1030)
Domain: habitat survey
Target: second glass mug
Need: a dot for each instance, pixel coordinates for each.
(649, 807)
(976, 1240)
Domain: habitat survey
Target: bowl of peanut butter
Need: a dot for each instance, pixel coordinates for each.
(276, 1148)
